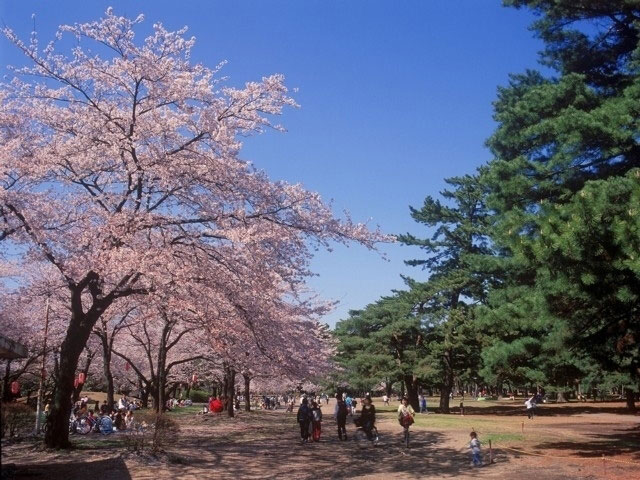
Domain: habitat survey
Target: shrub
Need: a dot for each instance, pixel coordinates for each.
(199, 396)
(151, 431)
(16, 419)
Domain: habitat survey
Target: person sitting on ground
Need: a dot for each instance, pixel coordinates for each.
(119, 422)
(91, 419)
(106, 424)
(128, 420)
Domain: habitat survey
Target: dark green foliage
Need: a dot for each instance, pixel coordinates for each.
(198, 396)
(564, 189)
(382, 343)
(534, 263)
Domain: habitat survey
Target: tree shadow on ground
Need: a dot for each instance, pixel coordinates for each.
(112, 468)
(281, 454)
(616, 442)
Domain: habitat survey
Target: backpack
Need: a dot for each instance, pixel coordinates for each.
(304, 413)
(342, 410)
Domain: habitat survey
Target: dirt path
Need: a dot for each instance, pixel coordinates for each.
(266, 445)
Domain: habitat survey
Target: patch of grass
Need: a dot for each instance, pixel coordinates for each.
(498, 439)
(178, 411)
(93, 442)
(447, 422)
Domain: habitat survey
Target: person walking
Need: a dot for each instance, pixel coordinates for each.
(368, 417)
(316, 420)
(405, 418)
(304, 418)
(476, 452)
(340, 413)
(423, 404)
(531, 406)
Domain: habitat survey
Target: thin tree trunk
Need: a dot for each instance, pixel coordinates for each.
(106, 369)
(247, 396)
(447, 383)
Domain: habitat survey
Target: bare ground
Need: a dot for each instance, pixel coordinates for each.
(565, 442)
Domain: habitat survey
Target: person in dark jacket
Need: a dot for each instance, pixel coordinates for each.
(340, 413)
(304, 419)
(368, 417)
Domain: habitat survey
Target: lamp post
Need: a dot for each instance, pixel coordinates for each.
(42, 372)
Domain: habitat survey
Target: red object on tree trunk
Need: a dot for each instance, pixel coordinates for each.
(75, 383)
(81, 378)
(15, 388)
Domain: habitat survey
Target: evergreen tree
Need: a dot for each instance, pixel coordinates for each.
(459, 236)
(563, 184)
(381, 343)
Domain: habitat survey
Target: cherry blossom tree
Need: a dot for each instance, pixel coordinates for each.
(122, 172)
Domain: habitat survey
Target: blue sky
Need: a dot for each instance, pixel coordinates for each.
(395, 97)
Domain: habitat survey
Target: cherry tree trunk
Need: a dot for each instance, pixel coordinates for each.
(78, 390)
(230, 389)
(144, 393)
(57, 435)
(106, 368)
(247, 396)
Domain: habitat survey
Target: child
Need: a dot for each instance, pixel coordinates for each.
(128, 420)
(476, 454)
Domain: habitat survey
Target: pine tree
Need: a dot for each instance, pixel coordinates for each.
(459, 237)
(564, 181)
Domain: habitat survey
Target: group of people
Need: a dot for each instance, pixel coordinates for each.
(174, 403)
(309, 418)
(100, 418)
